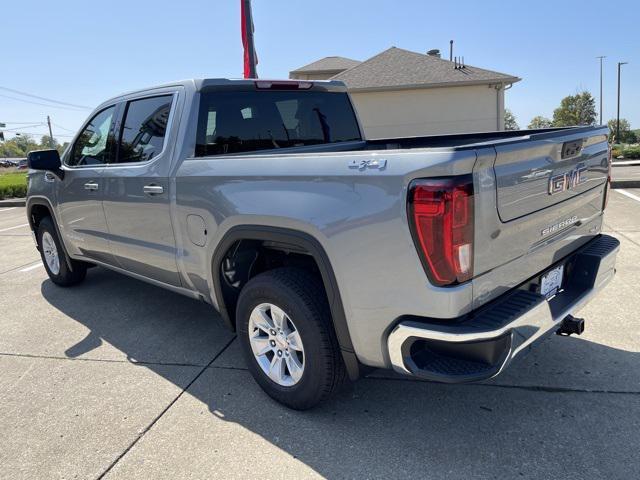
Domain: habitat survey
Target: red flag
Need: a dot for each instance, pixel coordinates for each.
(246, 24)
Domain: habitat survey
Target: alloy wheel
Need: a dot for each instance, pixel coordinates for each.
(276, 344)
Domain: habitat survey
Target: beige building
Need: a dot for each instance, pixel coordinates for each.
(400, 93)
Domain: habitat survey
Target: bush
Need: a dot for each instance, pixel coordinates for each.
(616, 152)
(631, 152)
(13, 185)
(9, 191)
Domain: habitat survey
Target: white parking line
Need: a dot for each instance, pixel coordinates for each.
(32, 267)
(13, 228)
(619, 190)
(7, 209)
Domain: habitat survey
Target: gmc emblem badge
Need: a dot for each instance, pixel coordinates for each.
(568, 180)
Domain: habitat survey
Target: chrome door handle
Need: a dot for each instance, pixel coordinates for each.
(91, 186)
(153, 189)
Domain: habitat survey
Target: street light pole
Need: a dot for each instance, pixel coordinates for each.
(601, 57)
(618, 115)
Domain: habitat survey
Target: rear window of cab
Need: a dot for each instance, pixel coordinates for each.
(235, 122)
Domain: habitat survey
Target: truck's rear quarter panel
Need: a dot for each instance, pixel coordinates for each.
(358, 216)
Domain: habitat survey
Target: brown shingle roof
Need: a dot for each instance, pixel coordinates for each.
(399, 68)
(328, 64)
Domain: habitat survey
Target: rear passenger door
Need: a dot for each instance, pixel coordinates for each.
(136, 195)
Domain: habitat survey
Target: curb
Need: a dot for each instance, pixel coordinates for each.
(625, 184)
(13, 202)
(620, 171)
(625, 163)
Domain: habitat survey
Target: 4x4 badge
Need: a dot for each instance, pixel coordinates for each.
(380, 164)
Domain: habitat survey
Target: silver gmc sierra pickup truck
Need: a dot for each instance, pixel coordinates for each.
(442, 257)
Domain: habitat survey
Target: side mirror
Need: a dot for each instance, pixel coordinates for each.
(46, 160)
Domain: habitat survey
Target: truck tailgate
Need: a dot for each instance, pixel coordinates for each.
(536, 174)
(538, 198)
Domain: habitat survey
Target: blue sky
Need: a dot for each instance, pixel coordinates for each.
(84, 52)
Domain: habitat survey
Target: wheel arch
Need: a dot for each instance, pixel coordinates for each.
(39, 208)
(300, 242)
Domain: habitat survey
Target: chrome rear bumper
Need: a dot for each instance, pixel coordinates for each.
(482, 345)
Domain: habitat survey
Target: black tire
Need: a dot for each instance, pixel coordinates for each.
(302, 297)
(65, 276)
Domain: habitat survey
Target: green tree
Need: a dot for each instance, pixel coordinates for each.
(45, 142)
(25, 143)
(9, 149)
(62, 148)
(626, 134)
(510, 120)
(21, 145)
(540, 122)
(579, 109)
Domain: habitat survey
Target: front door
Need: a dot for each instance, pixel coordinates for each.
(82, 220)
(136, 196)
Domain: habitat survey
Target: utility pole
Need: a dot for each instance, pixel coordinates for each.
(618, 116)
(601, 57)
(50, 132)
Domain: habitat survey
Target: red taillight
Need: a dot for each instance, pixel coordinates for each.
(441, 212)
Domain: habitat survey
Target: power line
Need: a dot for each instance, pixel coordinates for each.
(44, 98)
(28, 125)
(35, 125)
(20, 123)
(42, 104)
(63, 128)
(39, 134)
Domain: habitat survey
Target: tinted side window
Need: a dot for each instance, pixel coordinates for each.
(94, 145)
(245, 121)
(143, 129)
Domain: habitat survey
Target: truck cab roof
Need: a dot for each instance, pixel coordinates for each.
(200, 84)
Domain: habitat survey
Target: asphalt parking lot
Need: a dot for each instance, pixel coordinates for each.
(119, 379)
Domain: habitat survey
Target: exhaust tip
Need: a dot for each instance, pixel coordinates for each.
(571, 325)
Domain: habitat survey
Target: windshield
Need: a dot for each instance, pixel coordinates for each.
(234, 122)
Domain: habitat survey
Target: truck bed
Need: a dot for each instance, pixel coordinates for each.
(454, 141)
(467, 140)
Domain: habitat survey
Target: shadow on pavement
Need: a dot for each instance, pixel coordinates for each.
(378, 427)
(148, 324)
